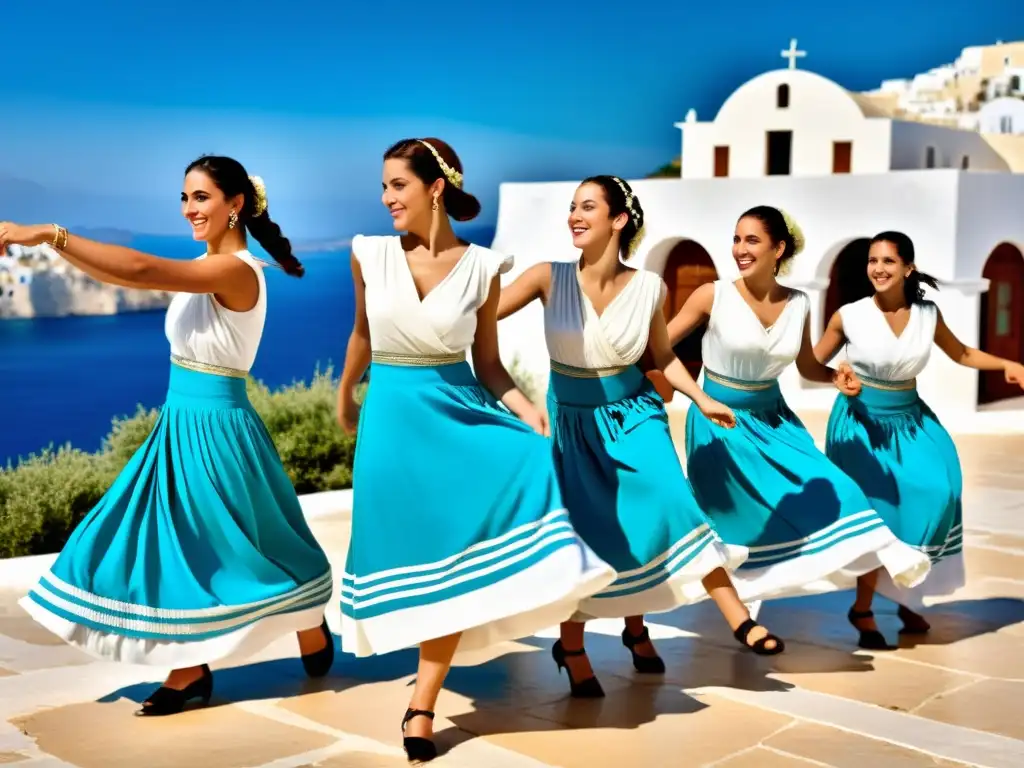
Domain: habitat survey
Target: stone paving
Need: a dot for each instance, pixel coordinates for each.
(949, 700)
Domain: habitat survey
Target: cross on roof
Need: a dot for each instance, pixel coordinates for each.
(793, 54)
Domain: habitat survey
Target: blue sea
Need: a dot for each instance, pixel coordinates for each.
(62, 380)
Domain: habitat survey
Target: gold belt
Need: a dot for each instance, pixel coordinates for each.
(588, 373)
(422, 361)
(216, 370)
(888, 386)
(747, 386)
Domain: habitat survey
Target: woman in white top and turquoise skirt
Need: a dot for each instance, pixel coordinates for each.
(765, 484)
(888, 440)
(460, 538)
(199, 551)
(620, 473)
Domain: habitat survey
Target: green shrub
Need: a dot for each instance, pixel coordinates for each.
(45, 496)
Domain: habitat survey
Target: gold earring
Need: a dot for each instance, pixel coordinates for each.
(435, 206)
(232, 220)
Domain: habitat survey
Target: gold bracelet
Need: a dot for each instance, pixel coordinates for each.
(60, 238)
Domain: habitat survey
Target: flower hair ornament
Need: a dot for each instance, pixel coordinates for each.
(259, 205)
(798, 241)
(634, 215)
(454, 177)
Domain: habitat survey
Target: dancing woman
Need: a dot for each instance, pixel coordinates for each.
(765, 484)
(888, 440)
(460, 538)
(625, 489)
(199, 551)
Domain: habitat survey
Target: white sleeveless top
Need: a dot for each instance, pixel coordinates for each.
(736, 345)
(200, 329)
(875, 351)
(578, 337)
(444, 322)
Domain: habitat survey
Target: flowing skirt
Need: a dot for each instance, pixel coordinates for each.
(766, 486)
(199, 551)
(458, 524)
(627, 493)
(889, 441)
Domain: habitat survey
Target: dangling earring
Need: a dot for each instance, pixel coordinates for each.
(435, 206)
(232, 220)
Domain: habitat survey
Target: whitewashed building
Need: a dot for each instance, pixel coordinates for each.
(845, 170)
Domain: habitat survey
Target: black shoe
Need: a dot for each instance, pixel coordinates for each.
(742, 632)
(870, 639)
(651, 665)
(417, 749)
(171, 701)
(319, 663)
(913, 623)
(584, 689)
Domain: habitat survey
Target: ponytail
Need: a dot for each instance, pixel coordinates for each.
(912, 290)
(268, 234)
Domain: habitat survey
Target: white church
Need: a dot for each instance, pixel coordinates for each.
(845, 169)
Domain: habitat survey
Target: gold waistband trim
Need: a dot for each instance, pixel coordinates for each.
(422, 361)
(746, 386)
(588, 373)
(888, 386)
(216, 370)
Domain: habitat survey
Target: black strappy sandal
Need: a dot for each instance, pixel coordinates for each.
(870, 639)
(913, 623)
(649, 665)
(417, 748)
(760, 647)
(581, 689)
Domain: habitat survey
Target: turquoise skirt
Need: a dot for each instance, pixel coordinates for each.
(458, 524)
(199, 551)
(766, 486)
(627, 493)
(889, 441)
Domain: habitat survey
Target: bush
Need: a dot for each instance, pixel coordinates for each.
(45, 496)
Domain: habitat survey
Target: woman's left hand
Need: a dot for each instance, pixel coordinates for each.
(19, 234)
(846, 380)
(538, 421)
(1014, 373)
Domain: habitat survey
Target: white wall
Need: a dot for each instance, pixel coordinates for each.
(819, 113)
(910, 142)
(952, 244)
(991, 114)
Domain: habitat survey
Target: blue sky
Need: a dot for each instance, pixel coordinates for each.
(106, 101)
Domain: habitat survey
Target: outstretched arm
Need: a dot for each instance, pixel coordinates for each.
(695, 313)
(488, 366)
(811, 369)
(226, 276)
(831, 341)
(357, 356)
(534, 283)
(680, 379)
(960, 353)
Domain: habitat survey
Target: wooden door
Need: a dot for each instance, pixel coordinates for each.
(1002, 319)
(721, 162)
(842, 156)
(688, 267)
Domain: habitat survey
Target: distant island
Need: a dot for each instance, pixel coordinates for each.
(37, 282)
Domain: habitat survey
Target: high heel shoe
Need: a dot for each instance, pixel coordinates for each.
(319, 663)
(870, 639)
(171, 701)
(417, 748)
(760, 647)
(913, 623)
(650, 665)
(582, 689)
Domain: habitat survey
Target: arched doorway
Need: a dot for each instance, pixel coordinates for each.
(848, 278)
(687, 268)
(1001, 319)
